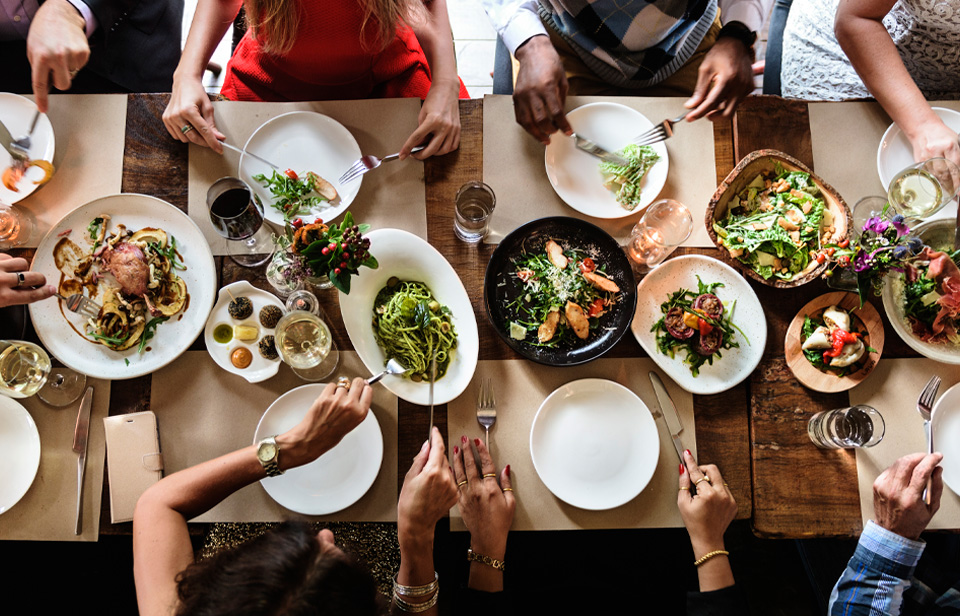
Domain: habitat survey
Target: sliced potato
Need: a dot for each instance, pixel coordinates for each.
(173, 299)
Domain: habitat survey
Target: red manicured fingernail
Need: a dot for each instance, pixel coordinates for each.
(476, 442)
(463, 440)
(456, 451)
(508, 470)
(687, 451)
(682, 469)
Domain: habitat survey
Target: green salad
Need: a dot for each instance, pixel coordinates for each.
(625, 181)
(294, 195)
(774, 223)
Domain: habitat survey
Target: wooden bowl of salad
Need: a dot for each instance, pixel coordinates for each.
(773, 218)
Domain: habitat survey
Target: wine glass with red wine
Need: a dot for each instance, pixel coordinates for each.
(236, 217)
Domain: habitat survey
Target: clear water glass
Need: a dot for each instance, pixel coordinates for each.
(236, 217)
(846, 428)
(305, 343)
(474, 205)
(921, 190)
(664, 226)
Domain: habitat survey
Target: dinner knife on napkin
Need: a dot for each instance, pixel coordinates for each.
(669, 411)
(80, 447)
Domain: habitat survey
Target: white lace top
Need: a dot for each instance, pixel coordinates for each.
(926, 33)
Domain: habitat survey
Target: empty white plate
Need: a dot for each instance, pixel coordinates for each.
(575, 175)
(594, 444)
(335, 480)
(19, 452)
(895, 152)
(945, 426)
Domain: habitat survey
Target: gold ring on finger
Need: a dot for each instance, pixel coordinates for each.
(685, 488)
(74, 72)
(702, 479)
(186, 129)
(343, 382)
(507, 490)
(462, 483)
(494, 475)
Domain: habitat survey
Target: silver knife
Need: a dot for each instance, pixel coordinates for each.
(433, 377)
(593, 149)
(80, 447)
(669, 411)
(250, 154)
(5, 140)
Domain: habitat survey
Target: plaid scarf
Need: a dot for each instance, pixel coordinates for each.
(635, 45)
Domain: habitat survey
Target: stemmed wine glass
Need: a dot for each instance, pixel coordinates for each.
(236, 217)
(922, 190)
(305, 343)
(25, 370)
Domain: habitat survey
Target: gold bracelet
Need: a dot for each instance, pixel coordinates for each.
(415, 608)
(480, 558)
(708, 556)
(416, 591)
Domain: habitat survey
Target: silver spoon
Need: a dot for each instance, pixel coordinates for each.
(393, 367)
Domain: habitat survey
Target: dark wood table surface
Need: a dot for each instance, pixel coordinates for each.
(755, 432)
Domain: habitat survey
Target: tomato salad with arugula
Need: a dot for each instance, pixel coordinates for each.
(294, 195)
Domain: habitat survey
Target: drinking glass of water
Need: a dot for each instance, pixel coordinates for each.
(236, 217)
(305, 344)
(921, 190)
(665, 225)
(846, 428)
(475, 203)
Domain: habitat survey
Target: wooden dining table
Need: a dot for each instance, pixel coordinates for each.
(755, 432)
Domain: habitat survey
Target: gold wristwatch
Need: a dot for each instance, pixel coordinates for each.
(268, 452)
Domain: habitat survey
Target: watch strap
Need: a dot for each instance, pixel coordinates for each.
(271, 466)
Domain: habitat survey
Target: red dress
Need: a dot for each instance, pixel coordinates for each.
(328, 61)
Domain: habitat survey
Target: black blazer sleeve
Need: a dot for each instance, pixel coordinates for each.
(724, 602)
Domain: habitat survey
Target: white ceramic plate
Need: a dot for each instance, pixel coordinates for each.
(260, 369)
(335, 480)
(575, 175)
(19, 452)
(945, 426)
(681, 273)
(895, 152)
(172, 337)
(408, 257)
(303, 141)
(594, 444)
(16, 113)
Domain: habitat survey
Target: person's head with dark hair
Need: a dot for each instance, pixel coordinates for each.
(290, 570)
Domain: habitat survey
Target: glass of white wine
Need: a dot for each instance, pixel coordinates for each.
(25, 370)
(305, 344)
(921, 190)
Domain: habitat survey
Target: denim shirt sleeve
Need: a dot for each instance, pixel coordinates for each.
(877, 576)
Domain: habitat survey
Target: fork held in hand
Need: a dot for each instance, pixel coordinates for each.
(924, 406)
(660, 132)
(366, 163)
(81, 305)
(486, 408)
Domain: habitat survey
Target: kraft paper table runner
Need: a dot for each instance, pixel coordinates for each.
(893, 389)
(513, 166)
(392, 196)
(204, 412)
(48, 511)
(520, 387)
(89, 135)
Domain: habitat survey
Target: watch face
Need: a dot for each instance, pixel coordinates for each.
(266, 451)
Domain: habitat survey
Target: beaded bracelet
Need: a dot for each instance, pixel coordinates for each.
(708, 556)
(415, 608)
(480, 558)
(416, 591)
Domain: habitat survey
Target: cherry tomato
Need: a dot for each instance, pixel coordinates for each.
(844, 243)
(297, 223)
(830, 251)
(525, 275)
(587, 265)
(821, 258)
(596, 307)
(292, 174)
(704, 327)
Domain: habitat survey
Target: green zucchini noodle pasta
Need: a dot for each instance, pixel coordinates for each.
(411, 326)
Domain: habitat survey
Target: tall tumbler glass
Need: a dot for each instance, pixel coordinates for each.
(665, 225)
(235, 216)
(846, 428)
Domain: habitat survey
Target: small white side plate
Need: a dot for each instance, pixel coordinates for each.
(681, 273)
(335, 480)
(594, 444)
(945, 426)
(19, 452)
(16, 113)
(260, 369)
(895, 152)
(575, 175)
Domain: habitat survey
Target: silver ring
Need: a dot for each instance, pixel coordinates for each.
(20, 279)
(186, 129)
(74, 72)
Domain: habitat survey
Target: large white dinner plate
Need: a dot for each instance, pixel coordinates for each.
(16, 113)
(19, 452)
(261, 368)
(945, 426)
(303, 141)
(172, 337)
(895, 152)
(335, 480)
(408, 257)
(681, 273)
(594, 444)
(575, 175)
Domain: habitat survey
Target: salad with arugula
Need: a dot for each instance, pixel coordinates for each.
(776, 224)
(931, 296)
(294, 195)
(625, 181)
(697, 324)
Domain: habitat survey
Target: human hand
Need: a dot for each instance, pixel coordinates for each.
(11, 292)
(898, 494)
(439, 119)
(708, 513)
(724, 79)
(935, 139)
(541, 90)
(56, 46)
(428, 492)
(335, 412)
(486, 504)
(190, 106)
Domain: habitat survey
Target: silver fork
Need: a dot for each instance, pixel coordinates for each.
(23, 143)
(81, 305)
(368, 162)
(660, 132)
(924, 406)
(486, 408)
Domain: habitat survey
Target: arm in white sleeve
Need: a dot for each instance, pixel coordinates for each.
(88, 16)
(516, 21)
(748, 12)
